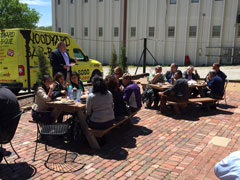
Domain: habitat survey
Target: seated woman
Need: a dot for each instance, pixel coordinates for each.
(119, 104)
(99, 105)
(59, 89)
(118, 72)
(43, 94)
(76, 81)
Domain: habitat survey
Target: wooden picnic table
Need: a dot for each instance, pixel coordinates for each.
(165, 86)
(79, 109)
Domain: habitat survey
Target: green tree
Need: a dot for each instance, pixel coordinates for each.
(43, 65)
(123, 60)
(113, 60)
(14, 14)
(44, 28)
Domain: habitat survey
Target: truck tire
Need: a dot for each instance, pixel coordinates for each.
(95, 72)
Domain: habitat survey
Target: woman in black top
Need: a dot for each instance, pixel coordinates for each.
(119, 105)
(59, 89)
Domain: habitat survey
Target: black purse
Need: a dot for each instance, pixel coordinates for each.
(42, 117)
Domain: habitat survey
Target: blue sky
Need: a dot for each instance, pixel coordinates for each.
(44, 7)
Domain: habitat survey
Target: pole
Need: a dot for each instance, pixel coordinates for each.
(125, 23)
(144, 55)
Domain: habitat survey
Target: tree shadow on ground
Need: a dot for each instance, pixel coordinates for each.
(193, 112)
(21, 170)
(113, 143)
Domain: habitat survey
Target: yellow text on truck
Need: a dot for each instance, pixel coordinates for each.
(19, 61)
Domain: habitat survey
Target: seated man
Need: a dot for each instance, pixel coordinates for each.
(9, 108)
(189, 75)
(215, 86)
(178, 92)
(216, 67)
(155, 78)
(169, 74)
(131, 93)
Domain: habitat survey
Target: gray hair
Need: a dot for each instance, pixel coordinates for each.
(213, 72)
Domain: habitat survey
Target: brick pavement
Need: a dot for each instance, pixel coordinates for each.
(157, 147)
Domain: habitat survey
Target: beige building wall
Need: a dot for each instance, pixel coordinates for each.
(204, 30)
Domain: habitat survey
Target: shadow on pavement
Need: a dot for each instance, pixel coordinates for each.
(112, 144)
(115, 142)
(194, 111)
(18, 171)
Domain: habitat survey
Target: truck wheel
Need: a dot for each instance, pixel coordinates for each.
(96, 72)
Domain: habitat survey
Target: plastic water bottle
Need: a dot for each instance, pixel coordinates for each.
(70, 92)
(79, 95)
(75, 93)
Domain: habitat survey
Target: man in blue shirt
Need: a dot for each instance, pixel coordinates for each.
(216, 67)
(169, 74)
(215, 85)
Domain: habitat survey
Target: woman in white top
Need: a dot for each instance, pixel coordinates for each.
(99, 105)
(43, 94)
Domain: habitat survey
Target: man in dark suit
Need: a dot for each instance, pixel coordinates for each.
(178, 92)
(60, 60)
(169, 74)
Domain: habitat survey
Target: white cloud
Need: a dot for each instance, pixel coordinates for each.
(37, 2)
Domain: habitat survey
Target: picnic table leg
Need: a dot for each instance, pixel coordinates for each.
(176, 108)
(201, 91)
(90, 137)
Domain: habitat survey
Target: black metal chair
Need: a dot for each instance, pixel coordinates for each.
(56, 129)
(8, 129)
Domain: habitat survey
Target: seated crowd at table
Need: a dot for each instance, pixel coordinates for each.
(117, 95)
(108, 102)
(180, 91)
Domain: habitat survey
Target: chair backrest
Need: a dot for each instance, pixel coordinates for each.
(226, 83)
(8, 128)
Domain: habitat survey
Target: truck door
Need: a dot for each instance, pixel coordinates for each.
(83, 66)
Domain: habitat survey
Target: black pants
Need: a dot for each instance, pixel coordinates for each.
(156, 97)
(104, 125)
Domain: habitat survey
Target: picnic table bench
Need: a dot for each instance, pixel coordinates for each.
(204, 100)
(101, 133)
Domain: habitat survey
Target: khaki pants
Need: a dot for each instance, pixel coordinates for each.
(68, 77)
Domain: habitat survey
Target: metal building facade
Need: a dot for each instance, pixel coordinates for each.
(205, 31)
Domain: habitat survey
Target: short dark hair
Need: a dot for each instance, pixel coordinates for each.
(74, 73)
(111, 83)
(174, 64)
(179, 72)
(99, 85)
(57, 76)
(217, 64)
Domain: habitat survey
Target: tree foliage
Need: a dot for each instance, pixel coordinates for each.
(43, 64)
(113, 60)
(123, 59)
(14, 14)
(45, 28)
